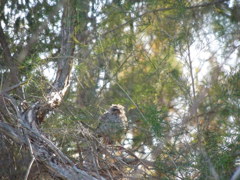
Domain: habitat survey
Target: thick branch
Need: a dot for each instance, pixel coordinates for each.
(45, 152)
(62, 80)
(13, 133)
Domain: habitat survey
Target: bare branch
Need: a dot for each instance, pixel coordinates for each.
(33, 159)
(12, 87)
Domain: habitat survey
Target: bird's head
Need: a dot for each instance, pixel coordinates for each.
(116, 109)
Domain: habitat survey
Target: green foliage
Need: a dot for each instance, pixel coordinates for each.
(156, 120)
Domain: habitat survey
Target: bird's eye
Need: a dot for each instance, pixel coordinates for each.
(116, 111)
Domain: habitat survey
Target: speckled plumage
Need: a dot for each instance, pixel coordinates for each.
(113, 123)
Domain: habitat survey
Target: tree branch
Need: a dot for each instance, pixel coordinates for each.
(12, 87)
(33, 159)
(44, 152)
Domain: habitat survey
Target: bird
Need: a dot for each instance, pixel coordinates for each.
(112, 124)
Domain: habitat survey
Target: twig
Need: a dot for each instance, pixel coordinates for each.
(12, 87)
(33, 159)
(195, 116)
(131, 100)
